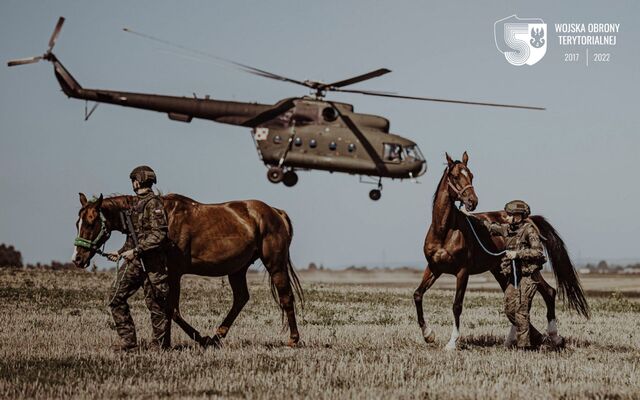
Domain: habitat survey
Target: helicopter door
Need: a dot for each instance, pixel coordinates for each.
(392, 153)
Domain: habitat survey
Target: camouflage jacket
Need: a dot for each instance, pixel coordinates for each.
(525, 241)
(149, 222)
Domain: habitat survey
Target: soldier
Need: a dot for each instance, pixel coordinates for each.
(145, 265)
(524, 250)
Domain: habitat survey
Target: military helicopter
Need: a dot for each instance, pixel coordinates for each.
(300, 133)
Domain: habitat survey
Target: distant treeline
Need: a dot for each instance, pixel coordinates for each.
(12, 258)
(605, 268)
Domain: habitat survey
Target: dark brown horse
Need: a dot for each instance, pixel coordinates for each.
(451, 247)
(209, 240)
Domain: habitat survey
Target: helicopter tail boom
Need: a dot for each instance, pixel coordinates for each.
(182, 109)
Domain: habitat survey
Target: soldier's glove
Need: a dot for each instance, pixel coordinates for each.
(128, 255)
(511, 254)
(113, 257)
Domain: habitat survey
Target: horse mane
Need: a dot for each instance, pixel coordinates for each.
(178, 197)
(117, 199)
(433, 203)
(120, 200)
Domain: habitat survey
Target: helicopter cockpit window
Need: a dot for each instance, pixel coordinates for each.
(392, 152)
(414, 153)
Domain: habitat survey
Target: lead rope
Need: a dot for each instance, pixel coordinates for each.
(513, 262)
(116, 282)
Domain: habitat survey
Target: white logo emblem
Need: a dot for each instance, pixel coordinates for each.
(261, 133)
(521, 40)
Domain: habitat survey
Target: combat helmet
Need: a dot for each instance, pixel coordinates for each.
(143, 174)
(517, 207)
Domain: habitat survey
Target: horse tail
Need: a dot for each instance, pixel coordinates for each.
(290, 270)
(568, 282)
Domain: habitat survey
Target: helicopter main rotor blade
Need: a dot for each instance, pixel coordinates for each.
(355, 79)
(353, 127)
(266, 74)
(475, 103)
(23, 61)
(240, 66)
(270, 114)
(56, 32)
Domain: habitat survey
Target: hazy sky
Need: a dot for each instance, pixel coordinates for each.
(575, 163)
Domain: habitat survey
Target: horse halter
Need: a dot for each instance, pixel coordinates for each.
(458, 192)
(95, 243)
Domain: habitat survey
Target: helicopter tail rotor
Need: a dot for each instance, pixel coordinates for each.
(45, 56)
(24, 61)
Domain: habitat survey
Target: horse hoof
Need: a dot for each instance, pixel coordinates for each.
(450, 346)
(557, 340)
(509, 344)
(209, 341)
(293, 343)
(429, 336)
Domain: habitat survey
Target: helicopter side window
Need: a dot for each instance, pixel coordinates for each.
(329, 114)
(392, 152)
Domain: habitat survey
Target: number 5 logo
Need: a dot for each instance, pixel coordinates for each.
(521, 40)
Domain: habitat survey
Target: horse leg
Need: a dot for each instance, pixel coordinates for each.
(238, 283)
(428, 279)
(275, 257)
(462, 278)
(549, 295)
(280, 279)
(174, 312)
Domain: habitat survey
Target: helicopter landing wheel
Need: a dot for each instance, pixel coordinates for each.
(275, 174)
(290, 178)
(375, 194)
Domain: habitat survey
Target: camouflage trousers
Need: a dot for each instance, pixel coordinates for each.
(131, 277)
(517, 304)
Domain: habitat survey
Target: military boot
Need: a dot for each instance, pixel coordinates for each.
(156, 345)
(124, 348)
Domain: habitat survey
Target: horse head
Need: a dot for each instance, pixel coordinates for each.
(92, 231)
(460, 182)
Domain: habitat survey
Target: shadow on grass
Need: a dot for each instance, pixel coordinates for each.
(585, 343)
(481, 341)
(269, 345)
(488, 341)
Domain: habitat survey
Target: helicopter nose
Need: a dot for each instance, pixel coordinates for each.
(420, 168)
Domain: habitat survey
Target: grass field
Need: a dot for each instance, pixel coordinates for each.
(360, 335)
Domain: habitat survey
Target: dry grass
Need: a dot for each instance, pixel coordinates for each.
(361, 341)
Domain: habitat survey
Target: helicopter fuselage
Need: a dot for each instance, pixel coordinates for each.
(295, 133)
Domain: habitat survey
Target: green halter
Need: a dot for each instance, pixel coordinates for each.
(93, 244)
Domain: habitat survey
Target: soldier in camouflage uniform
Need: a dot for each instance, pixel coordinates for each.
(145, 265)
(523, 245)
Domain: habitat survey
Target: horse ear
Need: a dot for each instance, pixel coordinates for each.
(449, 159)
(83, 199)
(465, 158)
(99, 201)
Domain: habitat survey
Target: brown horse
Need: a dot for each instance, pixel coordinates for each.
(209, 240)
(451, 247)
